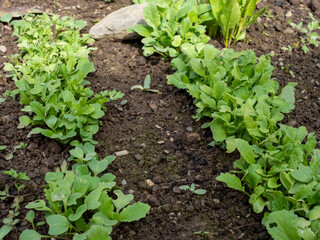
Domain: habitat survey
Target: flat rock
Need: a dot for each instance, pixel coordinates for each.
(115, 25)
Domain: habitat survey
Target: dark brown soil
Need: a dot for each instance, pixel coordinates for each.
(167, 148)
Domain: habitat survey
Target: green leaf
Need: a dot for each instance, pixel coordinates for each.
(5, 230)
(151, 16)
(24, 121)
(57, 224)
(200, 191)
(231, 180)
(98, 233)
(98, 166)
(218, 131)
(80, 210)
(122, 200)
(188, 49)
(230, 15)
(30, 216)
(134, 212)
(6, 18)
(197, 66)
(314, 214)
(303, 174)
(61, 193)
(29, 234)
(282, 225)
(245, 150)
(142, 30)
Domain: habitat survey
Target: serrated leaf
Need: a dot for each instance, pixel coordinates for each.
(231, 180)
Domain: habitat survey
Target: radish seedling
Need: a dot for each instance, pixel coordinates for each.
(146, 85)
(192, 189)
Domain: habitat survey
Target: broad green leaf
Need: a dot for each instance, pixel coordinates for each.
(197, 66)
(151, 16)
(189, 50)
(282, 225)
(6, 18)
(245, 150)
(98, 166)
(24, 121)
(5, 230)
(62, 193)
(314, 214)
(80, 210)
(142, 30)
(98, 233)
(303, 174)
(57, 224)
(230, 15)
(28, 235)
(219, 133)
(231, 180)
(122, 200)
(134, 212)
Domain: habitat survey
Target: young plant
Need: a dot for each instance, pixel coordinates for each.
(231, 18)
(282, 175)
(310, 37)
(192, 189)
(11, 220)
(15, 149)
(50, 74)
(170, 24)
(146, 85)
(80, 207)
(235, 90)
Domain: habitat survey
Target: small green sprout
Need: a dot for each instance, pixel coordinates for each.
(16, 148)
(146, 85)
(192, 189)
(310, 36)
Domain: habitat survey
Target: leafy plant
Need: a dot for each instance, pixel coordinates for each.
(11, 220)
(192, 189)
(235, 90)
(50, 76)
(146, 85)
(15, 149)
(310, 37)
(79, 206)
(282, 175)
(172, 23)
(231, 18)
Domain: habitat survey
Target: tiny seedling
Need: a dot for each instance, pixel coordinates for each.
(20, 177)
(2, 100)
(16, 148)
(201, 233)
(192, 189)
(146, 85)
(11, 220)
(289, 48)
(310, 37)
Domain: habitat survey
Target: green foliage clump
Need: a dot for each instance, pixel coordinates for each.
(50, 74)
(282, 175)
(234, 89)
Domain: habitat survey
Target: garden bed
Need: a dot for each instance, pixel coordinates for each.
(167, 148)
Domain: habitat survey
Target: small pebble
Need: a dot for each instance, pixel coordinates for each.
(3, 49)
(124, 182)
(122, 153)
(150, 183)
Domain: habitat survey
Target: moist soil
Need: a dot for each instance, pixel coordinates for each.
(166, 147)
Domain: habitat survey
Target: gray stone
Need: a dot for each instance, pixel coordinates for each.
(114, 26)
(315, 5)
